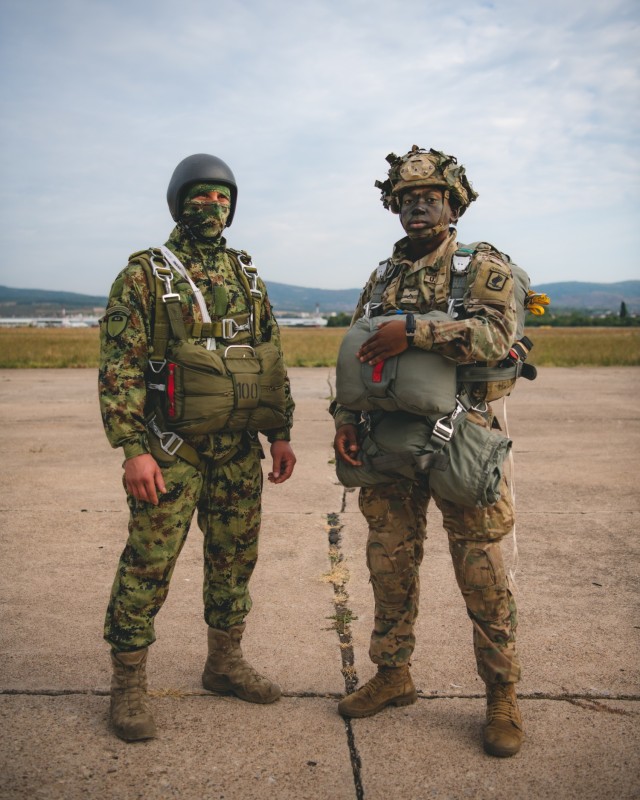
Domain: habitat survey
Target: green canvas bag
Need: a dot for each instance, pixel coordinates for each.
(416, 381)
(467, 470)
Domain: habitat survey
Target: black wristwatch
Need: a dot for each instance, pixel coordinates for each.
(410, 326)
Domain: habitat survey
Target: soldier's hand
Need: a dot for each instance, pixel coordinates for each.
(389, 340)
(283, 461)
(346, 444)
(143, 477)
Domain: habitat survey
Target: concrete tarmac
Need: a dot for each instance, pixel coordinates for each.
(63, 525)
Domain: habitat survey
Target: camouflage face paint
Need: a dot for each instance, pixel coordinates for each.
(205, 216)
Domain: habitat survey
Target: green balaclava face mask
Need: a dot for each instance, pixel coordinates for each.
(205, 219)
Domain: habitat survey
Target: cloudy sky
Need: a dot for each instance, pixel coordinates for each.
(102, 98)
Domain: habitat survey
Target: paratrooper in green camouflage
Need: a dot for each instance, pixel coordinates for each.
(430, 191)
(218, 475)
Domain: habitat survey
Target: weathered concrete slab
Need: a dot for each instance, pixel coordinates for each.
(59, 748)
(567, 753)
(63, 524)
(54, 611)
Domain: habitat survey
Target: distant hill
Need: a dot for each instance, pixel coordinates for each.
(286, 298)
(593, 296)
(45, 303)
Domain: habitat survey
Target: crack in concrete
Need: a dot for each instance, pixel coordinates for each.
(591, 701)
(339, 577)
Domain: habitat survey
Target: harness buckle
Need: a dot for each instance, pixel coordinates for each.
(165, 274)
(453, 306)
(230, 328)
(372, 309)
(169, 296)
(443, 429)
(172, 445)
(160, 366)
(460, 262)
(169, 441)
(251, 274)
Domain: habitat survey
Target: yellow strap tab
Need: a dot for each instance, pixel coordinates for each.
(535, 303)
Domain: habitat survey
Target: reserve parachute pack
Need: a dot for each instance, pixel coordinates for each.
(200, 389)
(419, 415)
(417, 379)
(463, 456)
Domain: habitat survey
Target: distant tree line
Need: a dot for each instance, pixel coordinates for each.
(562, 318)
(340, 320)
(580, 318)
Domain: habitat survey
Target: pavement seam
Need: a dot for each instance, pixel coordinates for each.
(339, 578)
(576, 698)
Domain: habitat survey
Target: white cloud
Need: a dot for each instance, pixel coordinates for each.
(304, 101)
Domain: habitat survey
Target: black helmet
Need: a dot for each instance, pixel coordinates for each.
(199, 168)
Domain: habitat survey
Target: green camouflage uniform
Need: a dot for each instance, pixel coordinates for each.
(396, 512)
(226, 492)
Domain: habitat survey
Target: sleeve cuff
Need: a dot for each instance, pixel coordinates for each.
(344, 416)
(282, 435)
(424, 335)
(135, 448)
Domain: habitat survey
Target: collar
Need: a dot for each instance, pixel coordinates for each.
(432, 262)
(195, 255)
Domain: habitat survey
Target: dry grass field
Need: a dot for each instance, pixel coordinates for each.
(317, 347)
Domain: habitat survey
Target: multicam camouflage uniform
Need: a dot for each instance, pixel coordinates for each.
(396, 512)
(226, 492)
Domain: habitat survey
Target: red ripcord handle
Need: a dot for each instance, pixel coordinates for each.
(376, 375)
(171, 390)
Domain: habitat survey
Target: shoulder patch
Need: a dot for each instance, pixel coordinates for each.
(496, 280)
(492, 282)
(117, 319)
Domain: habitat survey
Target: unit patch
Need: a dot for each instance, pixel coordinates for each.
(117, 319)
(410, 297)
(496, 281)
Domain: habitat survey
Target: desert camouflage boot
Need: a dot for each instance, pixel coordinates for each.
(130, 715)
(503, 733)
(390, 686)
(226, 671)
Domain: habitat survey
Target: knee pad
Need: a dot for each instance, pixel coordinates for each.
(482, 579)
(392, 573)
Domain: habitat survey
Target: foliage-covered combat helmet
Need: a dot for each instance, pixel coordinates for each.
(199, 168)
(421, 167)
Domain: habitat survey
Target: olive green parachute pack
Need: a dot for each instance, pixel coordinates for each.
(419, 415)
(196, 389)
(463, 458)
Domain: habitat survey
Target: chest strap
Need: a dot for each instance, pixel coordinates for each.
(168, 320)
(247, 274)
(458, 284)
(174, 445)
(385, 273)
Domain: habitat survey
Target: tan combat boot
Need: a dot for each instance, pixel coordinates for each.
(130, 715)
(503, 733)
(226, 671)
(390, 686)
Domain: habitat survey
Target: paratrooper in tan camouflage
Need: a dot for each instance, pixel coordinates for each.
(217, 474)
(430, 191)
